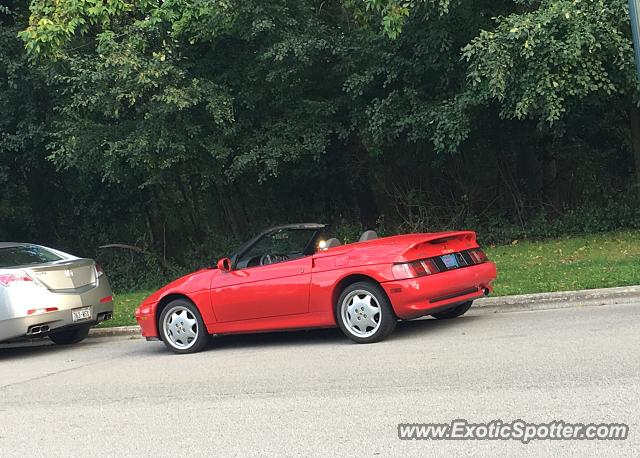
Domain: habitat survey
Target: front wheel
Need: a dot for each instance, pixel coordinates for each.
(454, 312)
(182, 328)
(364, 313)
(70, 336)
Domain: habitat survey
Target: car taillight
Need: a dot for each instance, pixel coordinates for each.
(7, 279)
(99, 271)
(414, 269)
(478, 256)
(41, 311)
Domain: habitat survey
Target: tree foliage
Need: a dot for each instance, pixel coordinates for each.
(542, 61)
(174, 125)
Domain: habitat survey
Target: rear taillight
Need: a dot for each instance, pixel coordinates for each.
(40, 311)
(99, 271)
(414, 269)
(430, 266)
(7, 279)
(478, 256)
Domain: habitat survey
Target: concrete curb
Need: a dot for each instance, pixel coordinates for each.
(522, 302)
(115, 331)
(562, 299)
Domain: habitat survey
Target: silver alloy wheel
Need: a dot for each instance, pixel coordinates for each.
(180, 327)
(361, 313)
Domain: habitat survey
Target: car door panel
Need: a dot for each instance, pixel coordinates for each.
(261, 292)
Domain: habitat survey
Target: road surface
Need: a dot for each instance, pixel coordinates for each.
(315, 393)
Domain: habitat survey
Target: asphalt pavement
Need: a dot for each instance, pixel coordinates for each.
(313, 393)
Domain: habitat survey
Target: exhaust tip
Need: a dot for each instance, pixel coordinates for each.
(486, 291)
(37, 329)
(105, 316)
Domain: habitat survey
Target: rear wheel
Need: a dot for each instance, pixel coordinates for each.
(454, 312)
(70, 336)
(182, 328)
(364, 313)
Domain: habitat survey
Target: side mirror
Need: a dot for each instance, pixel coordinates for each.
(224, 264)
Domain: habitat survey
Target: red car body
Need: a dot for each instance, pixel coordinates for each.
(302, 293)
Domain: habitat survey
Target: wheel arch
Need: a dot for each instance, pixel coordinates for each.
(346, 282)
(166, 300)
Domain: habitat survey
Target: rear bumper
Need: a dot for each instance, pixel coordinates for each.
(25, 327)
(16, 323)
(421, 296)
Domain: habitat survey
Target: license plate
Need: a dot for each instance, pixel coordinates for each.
(81, 314)
(450, 261)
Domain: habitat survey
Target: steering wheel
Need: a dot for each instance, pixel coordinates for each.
(267, 259)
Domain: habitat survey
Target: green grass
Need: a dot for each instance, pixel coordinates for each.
(124, 306)
(570, 263)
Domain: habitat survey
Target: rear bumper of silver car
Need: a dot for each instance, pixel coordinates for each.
(18, 324)
(43, 325)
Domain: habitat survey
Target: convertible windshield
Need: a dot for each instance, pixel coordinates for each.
(282, 245)
(26, 255)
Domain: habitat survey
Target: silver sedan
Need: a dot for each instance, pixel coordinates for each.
(45, 292)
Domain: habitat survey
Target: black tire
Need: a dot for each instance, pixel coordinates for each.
(70, 336)
(387, 319)
(454, 312)
(191, 312)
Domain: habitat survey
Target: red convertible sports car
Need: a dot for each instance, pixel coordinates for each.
(291, 277)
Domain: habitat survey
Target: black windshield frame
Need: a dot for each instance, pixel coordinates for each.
(308, 250)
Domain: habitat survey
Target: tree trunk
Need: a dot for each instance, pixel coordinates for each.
(189, 208)
(634, 117)
(360, 176)
(232, 210)
(550, 181)
(155, 222)
(41, 198)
